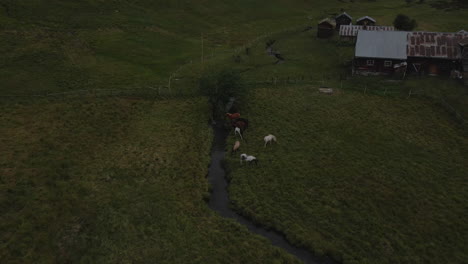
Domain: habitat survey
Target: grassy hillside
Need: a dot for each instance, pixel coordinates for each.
(363, 178)
(62, 45)
(66, 45)
(113, 180)
(122, 180)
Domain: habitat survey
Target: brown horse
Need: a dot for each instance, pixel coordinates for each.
(241, 123)
(233, 116)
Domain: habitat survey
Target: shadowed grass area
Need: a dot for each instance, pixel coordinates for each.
(363, 178)
(113, 180)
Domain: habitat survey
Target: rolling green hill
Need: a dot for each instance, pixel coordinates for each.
(63, 45)
(113, 181)
(110, 180)
(363, 178)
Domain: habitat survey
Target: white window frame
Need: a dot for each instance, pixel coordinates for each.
(388, 63)
(370, 62)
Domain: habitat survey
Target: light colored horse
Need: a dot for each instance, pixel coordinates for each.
(238, 131)
(269, 139)
(248, 158)
(235, 147)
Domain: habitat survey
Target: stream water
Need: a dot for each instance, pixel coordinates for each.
(219, 202)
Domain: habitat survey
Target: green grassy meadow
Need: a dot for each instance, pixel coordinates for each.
(359, 177)
(56, 46)
(113, 180)
(363, 178)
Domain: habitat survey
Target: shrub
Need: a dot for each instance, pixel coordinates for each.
(220, 87)
(403, 22)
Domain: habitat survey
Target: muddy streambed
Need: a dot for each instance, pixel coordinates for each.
(219, 201)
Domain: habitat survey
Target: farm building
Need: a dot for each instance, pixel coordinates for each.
(343, 19)
(379, 52)
(464, 57)
(435, 52)
(366, 21)
(349, 32)
(326, 28)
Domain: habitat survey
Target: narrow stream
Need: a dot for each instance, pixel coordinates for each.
(219, 202)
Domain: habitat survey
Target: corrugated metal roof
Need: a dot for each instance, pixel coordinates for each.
(435, 44)
(344, 14)
(366, 17)
(352, 30)
(381, 44)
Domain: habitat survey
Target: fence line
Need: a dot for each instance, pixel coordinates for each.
(162, 91)
(379, 88)
(159, 90)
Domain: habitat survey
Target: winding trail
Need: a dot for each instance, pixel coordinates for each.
(219, 202)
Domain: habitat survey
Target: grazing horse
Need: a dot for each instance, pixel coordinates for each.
(269, 139)
(249, 159)
(238, 131)
(236, 147)
(233, 116)
(241, 123)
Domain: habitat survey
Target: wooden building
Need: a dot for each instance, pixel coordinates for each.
(464, 59)
(379, 52)
(435, 53)
(366, 21)
(432, 53)
(349, 32)
(343, 19)
(326, 28)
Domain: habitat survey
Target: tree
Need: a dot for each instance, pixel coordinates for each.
(220, 87)
(403, 22)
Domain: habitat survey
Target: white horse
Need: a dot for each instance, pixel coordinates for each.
(238, 131)
(268, 139)
(249, 159)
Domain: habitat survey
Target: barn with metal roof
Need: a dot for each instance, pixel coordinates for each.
(379, 51)
(435, 52)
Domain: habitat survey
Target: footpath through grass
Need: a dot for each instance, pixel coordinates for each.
(114, 181)
(365, 179)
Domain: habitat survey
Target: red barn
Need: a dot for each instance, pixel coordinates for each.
(435, 52)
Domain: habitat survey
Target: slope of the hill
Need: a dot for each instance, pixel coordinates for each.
(113, 181)
(62, 45)
(364, 178)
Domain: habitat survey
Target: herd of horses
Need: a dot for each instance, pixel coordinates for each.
(240, 125)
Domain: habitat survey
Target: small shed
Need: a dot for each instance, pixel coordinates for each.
(366, 21)
(343, 19)
(325, 28)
